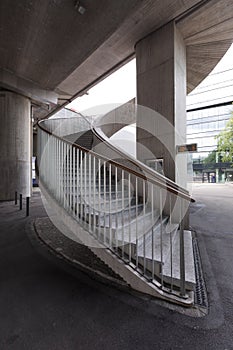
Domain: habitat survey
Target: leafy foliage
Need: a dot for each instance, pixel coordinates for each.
(225, 142)
(211, 158)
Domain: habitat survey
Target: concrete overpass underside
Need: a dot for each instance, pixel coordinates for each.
(50, 52)
(53, 51)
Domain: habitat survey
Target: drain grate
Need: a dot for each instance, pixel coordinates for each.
(200, 290)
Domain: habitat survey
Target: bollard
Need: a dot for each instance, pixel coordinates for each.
(20, 201)
(16, 197)
(27, 206)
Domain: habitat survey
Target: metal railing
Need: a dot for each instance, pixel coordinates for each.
(136, 213)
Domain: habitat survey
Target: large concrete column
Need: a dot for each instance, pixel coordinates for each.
(15, 145)
(161, 86)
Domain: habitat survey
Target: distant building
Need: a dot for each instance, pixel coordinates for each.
(209, 108)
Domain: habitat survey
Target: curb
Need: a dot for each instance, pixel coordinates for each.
(35, 237)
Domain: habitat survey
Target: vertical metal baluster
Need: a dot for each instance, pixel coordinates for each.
(104, 203)
(49, 163)
(48, 170)
(59, 170)
(116, 214)
(77, 183)
(42, 146)
(94, 194)
(52, 164)
(41, 150)
(46, 160)
(144, 228)
(161, 231)
(85, 187)
(136, 204)
(81, 185)
(74, 191)
(66, 175)
(152, 232)
(63, 172)
(122, 213)
(55, 168)
(89, 192)
(110, 204)
(39, 154)
(57, 182)
(70, 177)
(99, 194)
(182, 258)
(171, 247)
(129, 208)
(43, 154)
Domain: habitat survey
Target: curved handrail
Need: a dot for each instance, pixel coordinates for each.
(76, 192)
(154, 177)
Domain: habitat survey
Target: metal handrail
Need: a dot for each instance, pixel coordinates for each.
(157, 179)
(73, 189)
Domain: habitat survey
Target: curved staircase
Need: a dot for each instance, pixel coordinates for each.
(130, 216)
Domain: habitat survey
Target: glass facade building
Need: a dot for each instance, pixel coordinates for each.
(209, 107)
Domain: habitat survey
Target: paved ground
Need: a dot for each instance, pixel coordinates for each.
(46, 304)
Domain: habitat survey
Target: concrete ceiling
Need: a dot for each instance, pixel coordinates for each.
(48, 49)
(208, 33)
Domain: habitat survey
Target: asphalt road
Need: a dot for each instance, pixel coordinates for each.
(46, 305)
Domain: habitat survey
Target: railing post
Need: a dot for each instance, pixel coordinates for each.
(182, 257)
(27, 206)
(20, 201)
(161, 231)
(171, 244)
(136, 195)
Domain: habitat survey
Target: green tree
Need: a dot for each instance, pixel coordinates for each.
(225, 141)
(211, 158)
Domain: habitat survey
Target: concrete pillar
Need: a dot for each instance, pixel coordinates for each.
(161, 86)
(15, 145)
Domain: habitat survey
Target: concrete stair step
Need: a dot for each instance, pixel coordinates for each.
(132, 232)
(145, 244)
(174, 275)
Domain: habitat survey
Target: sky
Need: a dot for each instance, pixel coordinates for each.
(120, 87)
